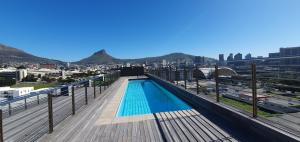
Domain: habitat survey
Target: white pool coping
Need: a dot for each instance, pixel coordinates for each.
(109, 114)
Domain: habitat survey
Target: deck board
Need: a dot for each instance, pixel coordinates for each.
(191, 129)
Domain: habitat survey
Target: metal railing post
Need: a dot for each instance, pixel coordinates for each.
(94, 84)
(100, 87)
(170, 74)
(105, 83)
(197, 85)
(176, 76)
(196, 76)
(217, 83)
(38, 98)
(25, 103)
(185, 76)
(50, 113)
(73, 100)
(254, 93)
(9, 109)
(85, 93)
(1, 127)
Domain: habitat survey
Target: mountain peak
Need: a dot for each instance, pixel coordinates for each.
(100, 57)
(101, 52)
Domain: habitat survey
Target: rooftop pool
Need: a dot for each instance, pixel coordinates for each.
(146, 97)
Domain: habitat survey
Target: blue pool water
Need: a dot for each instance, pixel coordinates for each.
(146, 96)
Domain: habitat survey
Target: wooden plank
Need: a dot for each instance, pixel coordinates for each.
(203, 126)
(119, 137)
(94, 136)
(165, 129)
(208, 126)
(99, 133)
(210, 123)
(125, 132)
(152, 138)
(184, 129)
(189, 126)
(176, 128)
(129, 132)
(135, 132)
(142, 131)
(173, 134)
(155, 131)
(147, 135)
(197, 127)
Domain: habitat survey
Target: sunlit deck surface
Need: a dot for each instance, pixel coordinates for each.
(95, 123)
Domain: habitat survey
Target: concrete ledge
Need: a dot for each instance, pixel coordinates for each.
(257, 127)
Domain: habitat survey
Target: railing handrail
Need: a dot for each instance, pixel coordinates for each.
(46, 91)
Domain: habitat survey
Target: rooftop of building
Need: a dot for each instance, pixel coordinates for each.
(97, 120)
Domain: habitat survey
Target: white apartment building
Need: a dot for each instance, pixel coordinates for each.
(7, 92)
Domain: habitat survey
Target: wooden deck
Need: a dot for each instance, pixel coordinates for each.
(186, 125)
(32, 123)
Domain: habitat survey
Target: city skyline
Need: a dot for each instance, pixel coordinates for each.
(128, 29)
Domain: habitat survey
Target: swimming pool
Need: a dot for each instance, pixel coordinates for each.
(146, 96)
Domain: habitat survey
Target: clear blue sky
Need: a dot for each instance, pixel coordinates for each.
(71, 29)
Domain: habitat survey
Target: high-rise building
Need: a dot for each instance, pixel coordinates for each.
(221, 57)
(238, 56)
(230, 57)
(289, 51)
(248, 56)
(290, 56)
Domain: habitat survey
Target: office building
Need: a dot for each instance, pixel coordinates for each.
(17, 75)
(290, 56)
(238, 56)
(221, 57)
(274, 55)
(289, 51)
(248, 56)
(230, 57)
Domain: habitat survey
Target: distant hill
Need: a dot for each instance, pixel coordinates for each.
(13, 55)
(101, 57)
(9, 55)
(173, 57)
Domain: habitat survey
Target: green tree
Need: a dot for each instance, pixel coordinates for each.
(29, 78)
